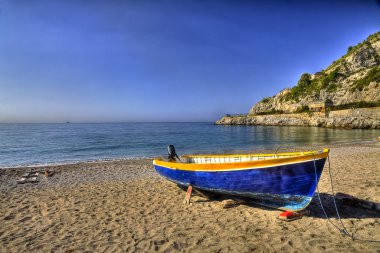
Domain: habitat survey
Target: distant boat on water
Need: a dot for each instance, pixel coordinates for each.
(285, 181)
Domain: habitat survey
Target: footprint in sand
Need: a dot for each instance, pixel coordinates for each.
(44, 209)
(24, 219)
(9, 216)
(316, 242)
(61, 202)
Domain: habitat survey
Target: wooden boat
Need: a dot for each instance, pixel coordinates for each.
(285, 181)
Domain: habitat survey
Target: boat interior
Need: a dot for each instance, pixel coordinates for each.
(235, 158)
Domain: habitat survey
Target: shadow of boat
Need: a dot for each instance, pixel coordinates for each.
(347, 209)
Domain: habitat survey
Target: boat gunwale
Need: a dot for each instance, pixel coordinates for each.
(298, 157)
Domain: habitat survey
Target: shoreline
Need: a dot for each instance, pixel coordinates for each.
(106, 160)
(123, 206)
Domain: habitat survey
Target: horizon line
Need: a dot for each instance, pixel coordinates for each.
(107, 122)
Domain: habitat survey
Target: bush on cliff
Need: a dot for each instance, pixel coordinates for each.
(273, 111)
(306, 86)
(361, 104)
(302, 109)
(372, 76)
(300, 89)
(265, 100)
(329, 82)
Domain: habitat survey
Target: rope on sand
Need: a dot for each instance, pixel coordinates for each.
(343, 230)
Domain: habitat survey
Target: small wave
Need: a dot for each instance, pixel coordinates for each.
(97, 148)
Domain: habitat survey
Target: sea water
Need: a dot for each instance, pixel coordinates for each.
(40, 144)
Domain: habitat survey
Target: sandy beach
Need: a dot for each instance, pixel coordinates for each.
(124, 206)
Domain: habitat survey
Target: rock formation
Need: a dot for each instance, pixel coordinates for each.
(353, 79)
(363, 118)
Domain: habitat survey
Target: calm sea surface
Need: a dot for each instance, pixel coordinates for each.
(36, 144)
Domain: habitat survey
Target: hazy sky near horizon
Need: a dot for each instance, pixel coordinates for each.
(119, 61)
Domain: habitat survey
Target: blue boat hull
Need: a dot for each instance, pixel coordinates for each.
(287, 187)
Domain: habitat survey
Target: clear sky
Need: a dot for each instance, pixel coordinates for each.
(120, 61)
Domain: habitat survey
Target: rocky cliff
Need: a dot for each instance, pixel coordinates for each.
(363, 118)
(352, 81)
(355, 77)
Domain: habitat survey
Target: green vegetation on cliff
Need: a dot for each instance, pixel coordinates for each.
(271, 112)
(352, 79)
(361, 104)
(353, 49)
(310, 87)
(303, 87)
(330, 79)
(351, 82)
(372, 76)
(265, 100)
(307, 86)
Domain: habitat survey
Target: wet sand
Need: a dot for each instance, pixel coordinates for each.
(124, 206)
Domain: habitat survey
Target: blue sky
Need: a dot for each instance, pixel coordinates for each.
(120, 61)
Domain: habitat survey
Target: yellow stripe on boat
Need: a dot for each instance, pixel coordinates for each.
(231, 161)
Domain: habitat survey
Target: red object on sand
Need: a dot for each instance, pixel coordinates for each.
(288, 214)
